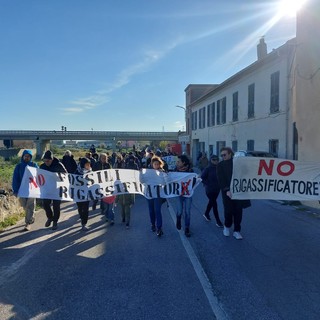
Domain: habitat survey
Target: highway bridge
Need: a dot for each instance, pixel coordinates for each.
(42, 138)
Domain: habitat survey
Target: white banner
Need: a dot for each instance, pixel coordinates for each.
(38, 183)
(276, 179)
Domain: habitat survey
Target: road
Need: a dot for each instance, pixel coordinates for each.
(113, 273)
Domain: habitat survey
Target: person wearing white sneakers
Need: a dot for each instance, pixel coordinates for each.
(232, 208)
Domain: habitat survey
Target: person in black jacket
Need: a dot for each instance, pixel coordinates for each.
(52, 164)
(232, 208)
(101, 164)
(68, 161)
(210, 181)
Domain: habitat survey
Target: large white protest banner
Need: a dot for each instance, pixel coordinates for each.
(38, 183)
(277, 179)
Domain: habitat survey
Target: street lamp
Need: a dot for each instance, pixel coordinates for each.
(185, 114)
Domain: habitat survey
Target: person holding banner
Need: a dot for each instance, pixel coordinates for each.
(101, 164)
(183, 204)
(155, 204)
(232, 208)
(28, 204)
(84, 166)
(210, 181)
(52, 164)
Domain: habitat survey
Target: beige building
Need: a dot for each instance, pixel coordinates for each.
(271, 105)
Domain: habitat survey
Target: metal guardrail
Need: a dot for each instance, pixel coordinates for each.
(79, 135)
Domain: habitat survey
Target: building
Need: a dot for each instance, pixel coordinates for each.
(271, 105)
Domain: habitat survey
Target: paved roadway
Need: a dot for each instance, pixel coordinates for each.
(114, 273)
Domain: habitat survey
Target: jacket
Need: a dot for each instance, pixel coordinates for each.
(19, 171)
(56, 166)
(210, 179)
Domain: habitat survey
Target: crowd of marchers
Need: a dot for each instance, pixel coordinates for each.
(216, 177)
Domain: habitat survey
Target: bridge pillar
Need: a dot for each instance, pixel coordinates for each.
(42, 146)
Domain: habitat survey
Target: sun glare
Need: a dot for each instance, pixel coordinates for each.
(290, 7)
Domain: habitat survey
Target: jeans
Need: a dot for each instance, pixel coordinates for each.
(155, 212)
(107, 210)
(183, 206)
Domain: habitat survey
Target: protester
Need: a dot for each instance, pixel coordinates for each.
(84, 167)
(101, 164)
(210, 181)
(119, 162)
(183, 204)
(68, 161)
(52, 164)
(232, 208)
(107, 207)
(126, 201)
(203, 161)
(28, 204)
(155, 204)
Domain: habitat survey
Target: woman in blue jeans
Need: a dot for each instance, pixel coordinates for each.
(183, 204)
(155, 204)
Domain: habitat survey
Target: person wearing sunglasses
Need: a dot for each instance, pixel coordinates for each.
(232, 208)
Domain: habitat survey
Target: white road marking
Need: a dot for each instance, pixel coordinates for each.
(201, 274)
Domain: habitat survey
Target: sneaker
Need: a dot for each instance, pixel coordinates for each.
(159, 232)
(207, 217)
(55, 225)
(219, 225)
(226, 232)
(178, 224)
(237, 235)
(27, 227)
(153, 228)
(84, 228)
(127, 226)
(111, 223)
(48, 223)
(187, 232)
(123, 220)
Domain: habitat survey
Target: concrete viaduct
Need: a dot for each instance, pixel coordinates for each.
(43, 138)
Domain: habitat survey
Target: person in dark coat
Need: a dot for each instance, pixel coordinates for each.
(101, 164)
(232, 208)
(68, 161)
(52, 164)
(28, 204)
(84, 166)
(210, 181)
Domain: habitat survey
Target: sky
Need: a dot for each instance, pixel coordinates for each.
(123, 65)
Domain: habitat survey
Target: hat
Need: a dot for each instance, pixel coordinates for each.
(48, 155)
(83, 162)
(214, 157)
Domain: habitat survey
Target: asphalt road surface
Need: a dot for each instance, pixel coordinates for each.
(110, 272)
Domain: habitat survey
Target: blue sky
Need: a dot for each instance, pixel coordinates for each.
(123, 65)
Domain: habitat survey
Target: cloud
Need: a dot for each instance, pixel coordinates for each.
(122, 79)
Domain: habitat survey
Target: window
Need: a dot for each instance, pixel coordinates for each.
(219, 145)
(211, 114)
(202, 118)
(250, 145)
(235, 98)
(234, 145)
(274, 146)
(251, 101)
(194, 120)
(218, 112)
(222, 111)
(275, 89)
